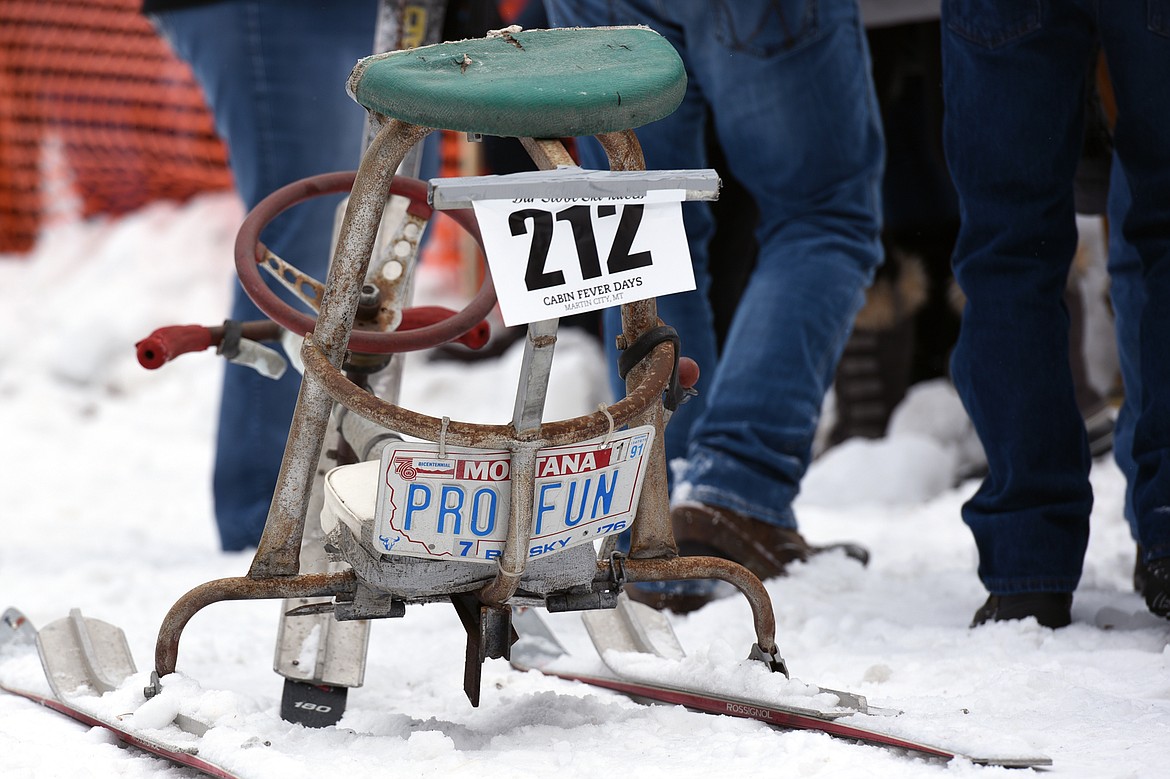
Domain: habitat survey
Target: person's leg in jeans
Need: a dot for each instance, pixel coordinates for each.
(818, 230)
(1014, 82)
(1136, 40)
(274, 75)
(1128, 298)
(795, 113)
(797, 117)
(676, 142)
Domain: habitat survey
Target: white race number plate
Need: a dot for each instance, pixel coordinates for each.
(456, 507)
(555, 256)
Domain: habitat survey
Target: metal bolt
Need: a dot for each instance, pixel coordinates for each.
(369, 301)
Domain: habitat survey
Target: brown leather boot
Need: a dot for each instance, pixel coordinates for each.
(762, 548)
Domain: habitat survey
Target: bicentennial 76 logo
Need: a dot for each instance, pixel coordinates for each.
(404, 467)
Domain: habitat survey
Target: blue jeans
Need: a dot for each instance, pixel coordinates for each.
(1128, 293)
(1014, 75)
(1128, 297)
(274, 73)
(789, 88)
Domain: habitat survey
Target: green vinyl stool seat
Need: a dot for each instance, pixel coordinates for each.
(528, 84)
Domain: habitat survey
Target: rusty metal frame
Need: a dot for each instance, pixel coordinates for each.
(675, 568)
(278, 553)
(485, 436)
(275, 568)
(651, 535)
(310, 585)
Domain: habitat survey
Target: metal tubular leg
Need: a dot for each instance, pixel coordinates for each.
(651, 535)
(279, 550)
(274, 569)
(764, 618)
(166, 649)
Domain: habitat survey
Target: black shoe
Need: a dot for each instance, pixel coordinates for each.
(1153, 582)
(1051, 609)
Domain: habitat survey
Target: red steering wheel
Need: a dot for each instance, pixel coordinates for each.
(419, 330)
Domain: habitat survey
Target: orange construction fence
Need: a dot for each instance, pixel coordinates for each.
(92, 79)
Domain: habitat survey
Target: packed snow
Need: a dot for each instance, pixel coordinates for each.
(106, 507)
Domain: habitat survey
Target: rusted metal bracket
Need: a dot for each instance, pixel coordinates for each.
(659, 570)
(313, 585)
(489, 634)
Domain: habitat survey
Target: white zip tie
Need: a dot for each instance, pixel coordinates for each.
(604, 409)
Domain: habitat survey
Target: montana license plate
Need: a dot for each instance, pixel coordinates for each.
(456, 507)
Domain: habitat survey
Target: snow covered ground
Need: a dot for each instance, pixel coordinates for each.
(105, 506)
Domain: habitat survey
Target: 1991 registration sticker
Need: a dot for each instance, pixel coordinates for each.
(457, 506)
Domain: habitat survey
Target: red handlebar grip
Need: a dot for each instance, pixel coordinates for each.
(422, 316)
(167, 343)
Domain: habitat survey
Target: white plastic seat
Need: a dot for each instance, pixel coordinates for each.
(351, 496)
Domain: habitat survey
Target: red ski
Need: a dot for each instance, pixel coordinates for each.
(539, 650)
